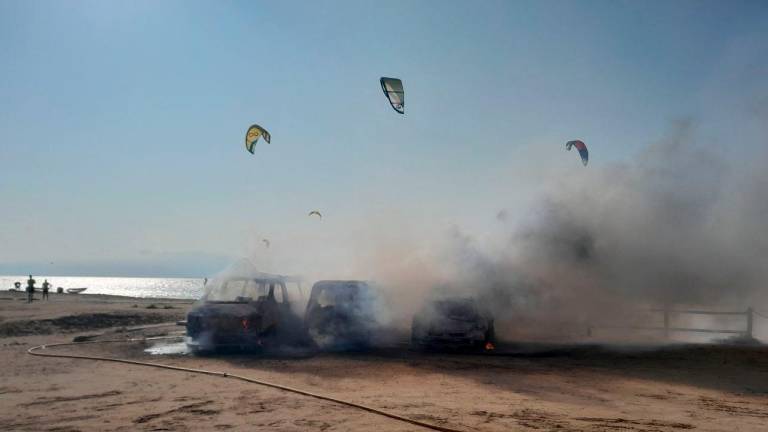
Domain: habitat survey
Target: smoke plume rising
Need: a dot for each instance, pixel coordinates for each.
(679, 224)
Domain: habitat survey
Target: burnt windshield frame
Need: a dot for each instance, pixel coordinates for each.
(258, 286)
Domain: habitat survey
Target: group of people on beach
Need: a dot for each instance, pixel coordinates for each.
(31, 288)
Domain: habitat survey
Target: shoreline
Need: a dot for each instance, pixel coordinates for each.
(23, 294)
(593, 389)
(172, 288)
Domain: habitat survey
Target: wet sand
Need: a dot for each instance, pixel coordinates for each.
(522, 387)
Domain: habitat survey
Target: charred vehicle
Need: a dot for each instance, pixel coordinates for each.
(341, 314)
(452, 322)
(246, 313)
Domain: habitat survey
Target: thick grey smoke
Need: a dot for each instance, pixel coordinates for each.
(680, 224)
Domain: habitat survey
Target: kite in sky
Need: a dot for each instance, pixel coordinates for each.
(393, 90)
(581, 147)
(254, 133)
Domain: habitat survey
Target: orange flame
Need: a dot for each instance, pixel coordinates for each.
(244, 322)
(489, 346)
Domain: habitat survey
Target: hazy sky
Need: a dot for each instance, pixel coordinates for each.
(122, 123)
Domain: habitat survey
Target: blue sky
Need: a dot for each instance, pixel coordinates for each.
(121, 123)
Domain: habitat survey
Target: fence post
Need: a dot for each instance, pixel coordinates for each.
(749, 321)
(666, 320)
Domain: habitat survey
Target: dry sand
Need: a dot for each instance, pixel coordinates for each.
(567, 388)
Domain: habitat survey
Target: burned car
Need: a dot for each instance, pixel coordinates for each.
(452, 322)
(341, 314)
(246, 313)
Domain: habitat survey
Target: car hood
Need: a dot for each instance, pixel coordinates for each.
(233, 309)
(450, 325)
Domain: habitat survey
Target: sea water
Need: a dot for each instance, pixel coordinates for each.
(181, 288)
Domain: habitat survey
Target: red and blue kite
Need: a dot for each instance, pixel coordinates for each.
(581, 147)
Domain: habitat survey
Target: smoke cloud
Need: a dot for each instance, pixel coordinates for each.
(679, 224)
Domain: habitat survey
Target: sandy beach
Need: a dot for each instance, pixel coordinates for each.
(486, 216)
(520, 387)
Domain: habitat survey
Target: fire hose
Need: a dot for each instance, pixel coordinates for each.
(38, 351)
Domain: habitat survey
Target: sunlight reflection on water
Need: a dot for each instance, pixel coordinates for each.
(183, 288)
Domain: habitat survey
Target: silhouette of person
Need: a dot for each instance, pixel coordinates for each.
(30, 289)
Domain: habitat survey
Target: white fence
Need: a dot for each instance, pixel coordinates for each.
(667, 328)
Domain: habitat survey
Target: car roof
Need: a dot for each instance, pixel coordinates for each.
(340, 282)
(257, 279)
(454, 299)
(265, 277)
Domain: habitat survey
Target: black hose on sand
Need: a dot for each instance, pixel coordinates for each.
(39, 351)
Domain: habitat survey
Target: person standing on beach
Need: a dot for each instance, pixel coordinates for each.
(30, 289)
(46, 285)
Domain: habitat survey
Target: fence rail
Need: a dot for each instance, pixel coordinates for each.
(699, 312)
(667, 328)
